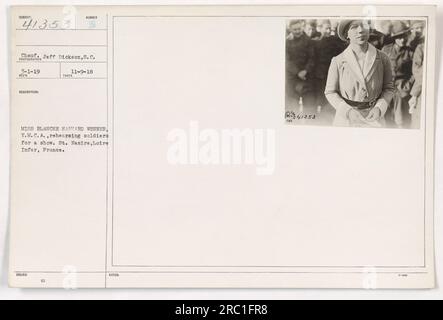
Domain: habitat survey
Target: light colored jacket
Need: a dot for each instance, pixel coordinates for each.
(417, 70)
(346, 80)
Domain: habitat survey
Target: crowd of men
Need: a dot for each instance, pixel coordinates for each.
(311, 44)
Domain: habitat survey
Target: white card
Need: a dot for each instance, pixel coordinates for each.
(186, 147)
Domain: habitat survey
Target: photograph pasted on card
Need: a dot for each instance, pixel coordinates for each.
(358, 73)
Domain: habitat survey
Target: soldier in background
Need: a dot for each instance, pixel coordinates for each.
(327, 47)
(380, 36)
(400, 55)
(334, 25)
(376, 38)
(311, 30)
(300, 61)
(417, 33)
(415, 100)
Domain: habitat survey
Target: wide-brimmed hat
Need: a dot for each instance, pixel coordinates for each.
(399, 28)
(420, 22)
(374, 35)
(342, 29)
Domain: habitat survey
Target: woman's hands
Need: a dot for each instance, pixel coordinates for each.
(356, 118)
(374, 114)
(302, 74)
(412, 104)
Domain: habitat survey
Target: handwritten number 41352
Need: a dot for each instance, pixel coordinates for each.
(46, 24)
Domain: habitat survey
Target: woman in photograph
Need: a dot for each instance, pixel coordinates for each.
(359, 84)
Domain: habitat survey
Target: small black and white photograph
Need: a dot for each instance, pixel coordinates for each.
(354, 73)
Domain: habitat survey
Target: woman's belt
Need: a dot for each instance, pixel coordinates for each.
(361, 105)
